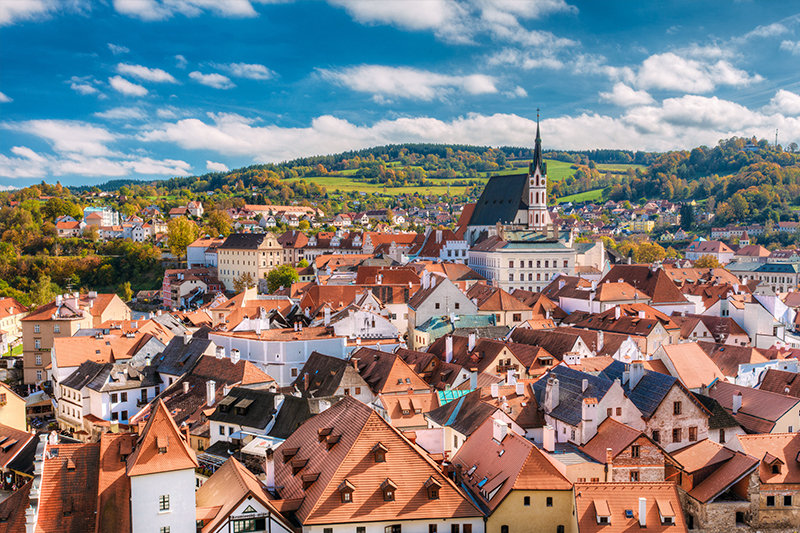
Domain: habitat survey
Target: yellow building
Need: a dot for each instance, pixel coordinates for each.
(514, 483)
(12, 409)
(247, 253)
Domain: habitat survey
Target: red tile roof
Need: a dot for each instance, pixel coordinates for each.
(615, 499)
(160, 428)
(760, 409)
(68, 500)
(114, 486)
(783, 446)
(610, 434)
(12, 509)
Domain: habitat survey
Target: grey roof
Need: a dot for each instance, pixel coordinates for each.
(720, 418)
(261, 411)
(743, 266)
(464, 415)
(324, 375)
(172, 324)
(571, 393)
(648, 393)
(114, 377)
(501, 199)
(179, 357)
(240, 241)
(791, 268)
(83, 375)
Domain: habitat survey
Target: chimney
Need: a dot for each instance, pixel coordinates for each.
(511, 378)
(616, 312)
(551, 394)
(495, 390)
(278, 402)
(737, 402)
(426, 279)
(448, 349)
(269, 466)
(234, 356)
(588, 419)
(561, 284)
(211, 392)
(520, 389)
(594, 285)
(471, 345)
(473, 378)
(499, 430)
(186, 387)
(433, 281)
(305, 381)
(642, 315)
(549, 438)
(626, 376)
(642, 512)
(636, 373)
(327, 320)
(600, 341)
(220, 352)
(584, 385)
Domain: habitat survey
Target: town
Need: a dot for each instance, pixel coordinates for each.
(512, 369)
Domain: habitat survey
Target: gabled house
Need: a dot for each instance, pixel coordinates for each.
(689, 363)
(326, 377)
(438, 297)
(620, 507)
(508, 311)
(758, 411)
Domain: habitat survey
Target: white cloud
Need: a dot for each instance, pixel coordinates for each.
(117, 49)
(217, 81)
(407, 82)
(518, 92)
(180, 62)
(123, 113)
(624, 96)
(15, 11)
(792, 47)
(770, 30)
(125, 87)
(68, 136)
(784, 102)
(216, 167)
(155, 10)
(83, 88)
(244, 70)
(166, 113)
(5, 99)
(526, 59)
(148, 74)
(671, 72)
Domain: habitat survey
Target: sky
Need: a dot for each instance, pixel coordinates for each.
(150, 89)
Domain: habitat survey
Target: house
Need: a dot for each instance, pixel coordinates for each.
(689, 363)
(241, 254)
(620, 507)
(195, 208)
(12, 409)
(17, 448)
(347, 463)
(331, 378)
(646, 325)
(507, 310)
(758, 411)
(233, 499)
(293, 242)
(197, 252)
(655, 283)
(722, 427)
(513, 481)
(438, 297)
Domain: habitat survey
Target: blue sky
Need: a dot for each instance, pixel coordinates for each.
(92, 91)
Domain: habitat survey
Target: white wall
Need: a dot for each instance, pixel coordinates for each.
(273, 525)
(145, 493)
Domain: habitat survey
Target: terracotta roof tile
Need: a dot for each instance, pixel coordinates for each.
(114, 486)
(610, 434)
(693, 366)
(656, 284)
(12, 509)
(728, 357)
(783, 446)
(68, 500)
(760, 409)
(781, 382)
(623, 497)
(147, 459)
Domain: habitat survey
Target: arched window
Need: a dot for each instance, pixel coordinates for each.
(503, 529)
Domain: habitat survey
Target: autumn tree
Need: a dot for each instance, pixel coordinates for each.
(283, 276)
(243, 282)
(219, 223)
(650, 253)
(707, 261)
(125, 292)
(181, 232)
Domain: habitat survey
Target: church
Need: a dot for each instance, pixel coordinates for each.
(514, 243)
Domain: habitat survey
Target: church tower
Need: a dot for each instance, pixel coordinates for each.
(538, 217)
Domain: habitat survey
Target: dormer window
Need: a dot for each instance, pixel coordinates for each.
(776, 468)
(308, 480)
(331, 440)
(289, 453)
(433, 486)
(162, 443)
(388, 487)
(602, 512)
(298, 465)
(379, 451)
(323, 433)
(346, 490)
(666, 512)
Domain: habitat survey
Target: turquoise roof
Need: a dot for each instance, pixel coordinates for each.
(447, 396)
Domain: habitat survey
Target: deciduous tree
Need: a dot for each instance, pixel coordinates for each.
(283, 276)
(181, 232)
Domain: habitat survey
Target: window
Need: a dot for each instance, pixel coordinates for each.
(347, 392)
(163, 502)
(503, 529)
(113, 397)
(602, 520)
(431, 528)
(511, 264)
(527, 501)
(609, 411)
(722, 436)
(294, 372)
(634, 475)
(361, 529)
(114, 416)
(676, 408)
(38, 358)
(38, 345)
(547, 264)
(787, 501)
(123, 397)
(57, 328)
(635, 451)
(458, 305)
(467, 528)
(595, 480)
(358, 390)
(511, 277)
(776, 469)
(454, 528)
(692, 434)
(436, 305)
(676, 435)
(222, 430)
(347, 497)
(123, 415)
(566, 263)
(327, 530)
(770, 501)
(656, 435)
(230, 430)
(549, 501)
(560, 529)
(38, 375)
(619, 411)
(164, 529)
(517, 317)
(395, 528)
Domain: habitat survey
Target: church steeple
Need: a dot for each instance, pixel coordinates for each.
(538, 161)
(536, 188)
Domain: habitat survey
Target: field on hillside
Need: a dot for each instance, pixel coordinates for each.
(618, 168)
(596, 194)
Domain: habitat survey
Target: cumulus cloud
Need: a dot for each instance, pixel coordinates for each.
(68, 136)
(624, 96)
(117, 49)
(407, 82)
(244, 70)
(83, 88)
(156, 10)
(123, 113)
(155, 75)
(784, 102)
(216, 167)
(125, 87)
(672, 72)
(217, 81)
(5, 99)
(16, 11)
(766, 31)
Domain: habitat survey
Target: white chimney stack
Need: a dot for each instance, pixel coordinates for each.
(584, 385)
(642, 315)
(327, 319)
(636, 373)
(549, 438)
(211, 392)
(448, 349)
(473, 378)
(234, 356)
(471, 345)
(499, 430)
(737, 402)
(495, 390)
(511, 378)
(269, 466)
(186, 387)
(551, 394)
(616, 312)
(520, 389)
(642, 512)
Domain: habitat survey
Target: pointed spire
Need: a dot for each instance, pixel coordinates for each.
(538, 161)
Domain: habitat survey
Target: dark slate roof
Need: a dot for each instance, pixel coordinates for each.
(294, 412)
(23, 462)
(179, 358)
(324, 375)
(84, 375)
(571, 393)
(464, 415)
(202, 332)
(720, 418)
(240, 241)
(649, 392)
(261, 411)
(501, 199)
(124, 376)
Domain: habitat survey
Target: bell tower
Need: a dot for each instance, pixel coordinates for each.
(538, 217)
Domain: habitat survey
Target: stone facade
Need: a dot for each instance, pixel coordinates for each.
(641, 461)
(691, 421)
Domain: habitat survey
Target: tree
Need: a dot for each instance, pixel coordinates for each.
(303, 263)
(243, 281)
(91, 233)
(707, 261)
(283, 276)
(687, 217)
(43, 291)
(181, 232)
(303, 225)
(219, 223)
(650, 253)
(125, 292)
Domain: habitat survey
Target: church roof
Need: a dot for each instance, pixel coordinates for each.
(502, 197)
